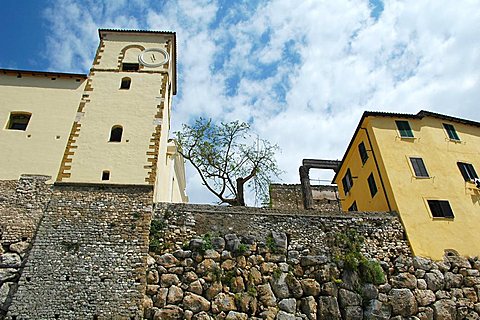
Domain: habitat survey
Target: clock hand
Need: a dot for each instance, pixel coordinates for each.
(153, 58)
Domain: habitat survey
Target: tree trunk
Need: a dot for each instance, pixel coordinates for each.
(240, 196)
(306, 188)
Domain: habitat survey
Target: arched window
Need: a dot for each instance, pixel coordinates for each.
(116, 134)
(125, 85)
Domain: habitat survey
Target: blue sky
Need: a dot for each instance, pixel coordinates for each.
(301, 72)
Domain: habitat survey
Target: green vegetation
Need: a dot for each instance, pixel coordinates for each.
(157, 229)
(277, 272)
(207, 242)
(229, 158)
(346, 250)
(252, 291)
(242, 248)
(270, 243)
(136, 215)
(228, 277)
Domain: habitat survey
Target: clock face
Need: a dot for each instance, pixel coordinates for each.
(154, 57)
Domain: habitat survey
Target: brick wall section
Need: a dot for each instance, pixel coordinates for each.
(306, 229)
(89, 256)
(289, 197)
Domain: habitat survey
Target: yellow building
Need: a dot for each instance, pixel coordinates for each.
(110, 126)
(422, 166)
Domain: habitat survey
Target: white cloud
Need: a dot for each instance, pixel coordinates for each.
(303, 71)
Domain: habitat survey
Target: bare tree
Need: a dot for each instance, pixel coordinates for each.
(228, 158)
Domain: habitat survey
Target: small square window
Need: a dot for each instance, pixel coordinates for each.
(372, 185)
(105, 175)
(353, 207)
(130, 66)
(18, 121)
(452, 133)
(440, 208)
(468, 171)
(347, 182)
(404, 129)
(363, 152)
(419, 167)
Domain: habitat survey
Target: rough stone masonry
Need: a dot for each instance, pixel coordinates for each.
(84, 252)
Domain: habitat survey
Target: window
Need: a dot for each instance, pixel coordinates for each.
(353, 207)
(419, 167)
(18, 121)
(105, 175)
(404, 129)
(125, 85)
(372, 185)
(116, 134)
(347, 182)
(452, 134)
(440, 208)
(363, 152)
(467, 170)
(130, 66)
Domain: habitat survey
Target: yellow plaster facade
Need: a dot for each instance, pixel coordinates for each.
(416, 195)
(73, 133)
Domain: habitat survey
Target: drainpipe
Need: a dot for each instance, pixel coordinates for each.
(378, 169)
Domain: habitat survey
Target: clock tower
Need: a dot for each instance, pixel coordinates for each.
(120, 132)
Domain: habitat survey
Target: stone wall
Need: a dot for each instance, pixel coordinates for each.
(306, 229)
(88, 258)
(81, 252)
(289, 197)
(267, 273)
(21, 208)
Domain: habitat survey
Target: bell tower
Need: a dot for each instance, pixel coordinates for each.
(120, 132)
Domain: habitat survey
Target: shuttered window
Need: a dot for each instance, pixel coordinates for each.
(419, 167)
(467, 170)
(404, 129)
(347, 182)
(372, 185)
(452, 133)
(440, 208)
(363, 152)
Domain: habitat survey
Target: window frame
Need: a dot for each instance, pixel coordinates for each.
(13, 118)
(467, 170)
(412, 165)
(451, 132)
(347, 182)
(362, 150)
(372, 185)
(405, 132)
(440, 209)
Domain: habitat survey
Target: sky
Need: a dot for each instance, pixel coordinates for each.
(300, 72)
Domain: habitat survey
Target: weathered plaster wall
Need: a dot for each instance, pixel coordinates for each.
(52, 101)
